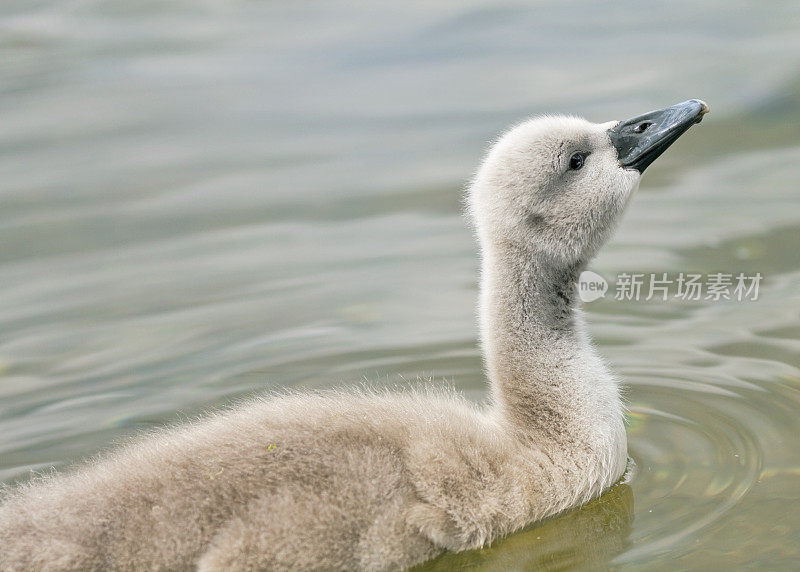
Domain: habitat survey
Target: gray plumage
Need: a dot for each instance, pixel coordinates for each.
(375, 481)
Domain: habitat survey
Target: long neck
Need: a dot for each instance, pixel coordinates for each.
(546, 380)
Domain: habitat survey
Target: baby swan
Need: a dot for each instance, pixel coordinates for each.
(373, 482)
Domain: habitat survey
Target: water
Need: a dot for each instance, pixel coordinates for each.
(199, 200)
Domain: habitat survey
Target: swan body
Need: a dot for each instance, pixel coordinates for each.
(375, 481)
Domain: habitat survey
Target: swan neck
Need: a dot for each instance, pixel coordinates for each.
(545, 376)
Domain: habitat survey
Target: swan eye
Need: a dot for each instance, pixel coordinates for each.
(576, 161)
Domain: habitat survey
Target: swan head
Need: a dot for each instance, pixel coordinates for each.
(555, 186)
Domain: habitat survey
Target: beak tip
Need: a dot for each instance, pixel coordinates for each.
(704, 108)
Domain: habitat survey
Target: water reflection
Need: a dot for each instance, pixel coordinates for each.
(588, 538)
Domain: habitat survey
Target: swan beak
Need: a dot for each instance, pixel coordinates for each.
(640, 141)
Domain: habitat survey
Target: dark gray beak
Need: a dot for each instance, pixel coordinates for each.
(640, 141)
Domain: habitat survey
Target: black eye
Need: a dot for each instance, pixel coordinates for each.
(576, 161)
